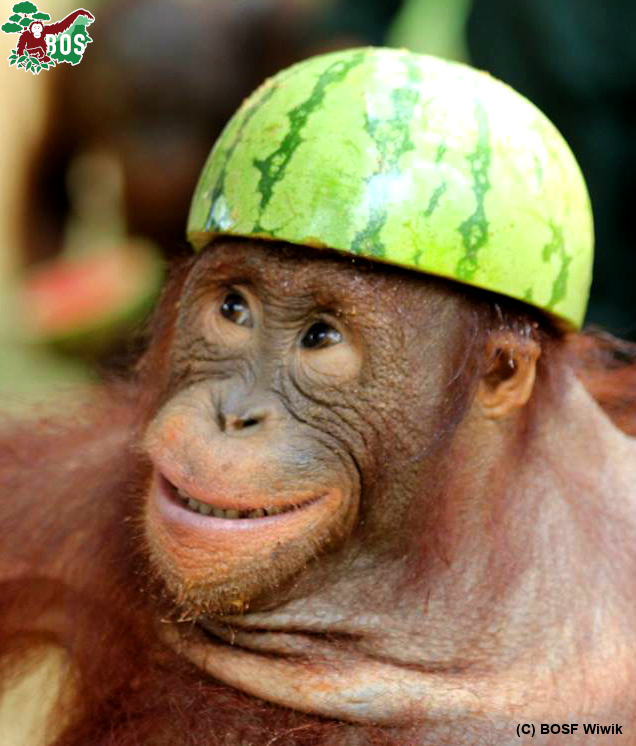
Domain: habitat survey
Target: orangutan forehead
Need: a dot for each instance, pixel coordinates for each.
(283, 271)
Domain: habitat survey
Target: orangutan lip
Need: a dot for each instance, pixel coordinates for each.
(184, 500)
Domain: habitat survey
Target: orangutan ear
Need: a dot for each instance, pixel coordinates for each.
(508, 380)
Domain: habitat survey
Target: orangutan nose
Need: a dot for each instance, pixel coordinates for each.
(245, 422)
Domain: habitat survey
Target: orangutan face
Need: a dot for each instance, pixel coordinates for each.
(289, 378)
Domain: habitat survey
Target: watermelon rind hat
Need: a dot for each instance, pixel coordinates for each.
(411, 160)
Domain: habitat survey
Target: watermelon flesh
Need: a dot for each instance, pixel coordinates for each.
(71, 296)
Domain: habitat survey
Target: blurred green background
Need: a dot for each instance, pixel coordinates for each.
(98, 160)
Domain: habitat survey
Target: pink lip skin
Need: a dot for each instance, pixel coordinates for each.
(216, 551)
(170, 510)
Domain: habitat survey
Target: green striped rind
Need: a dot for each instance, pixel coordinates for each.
(411, 160)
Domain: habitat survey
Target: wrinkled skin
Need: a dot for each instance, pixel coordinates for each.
(320, 422)
(452, 552)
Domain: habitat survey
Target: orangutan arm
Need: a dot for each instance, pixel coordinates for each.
(22, 42)
(66, 23)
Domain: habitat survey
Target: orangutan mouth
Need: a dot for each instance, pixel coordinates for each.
(197, 506)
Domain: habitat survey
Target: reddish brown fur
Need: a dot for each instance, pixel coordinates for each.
(70, 575)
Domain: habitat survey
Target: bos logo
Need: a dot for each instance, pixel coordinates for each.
(43, 45)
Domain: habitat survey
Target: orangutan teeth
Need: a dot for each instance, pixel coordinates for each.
(199, 507)
(196, 506)
(276, 511)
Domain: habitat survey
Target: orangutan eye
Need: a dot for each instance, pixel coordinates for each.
(320, 335)
(235, 309)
